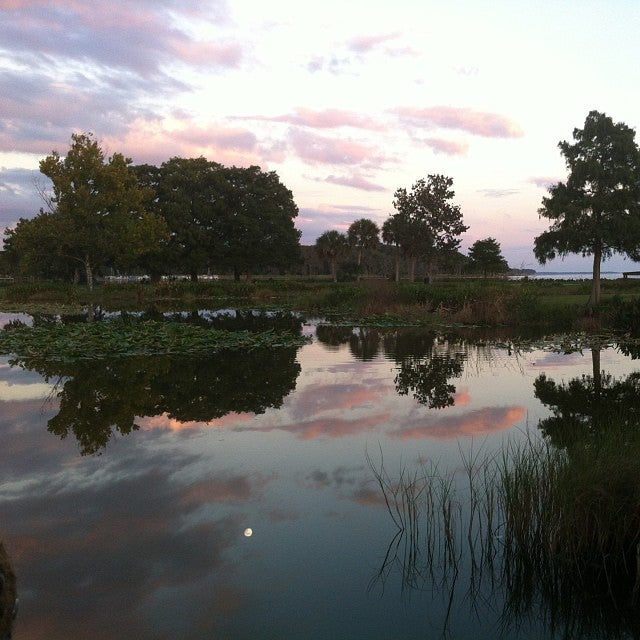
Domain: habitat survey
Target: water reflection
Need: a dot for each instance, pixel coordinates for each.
(543, 532)
(99, 398)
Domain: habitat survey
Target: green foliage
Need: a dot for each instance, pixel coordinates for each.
(97, 210)
(224, 218)
(425, 222)
(486, 257)
(332, 246)
(596, 212)
(116, 338)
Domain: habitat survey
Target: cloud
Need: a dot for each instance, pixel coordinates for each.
(356, 182)
(316, 149)
(544, 182)
(139, 37)
(498, 193)
(366, 43)
(450, 427)
(480, 123)
(448, 147)
(332, 64)
(328, 427)
(324, 119)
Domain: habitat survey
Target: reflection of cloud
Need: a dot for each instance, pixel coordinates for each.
(235, 488)
(478, 422)
(164, 421)
(462, 398)
(328, 427)
(320, 398)
(132, 541)
(480, 123)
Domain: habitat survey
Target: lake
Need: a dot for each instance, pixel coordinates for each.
(239, 497)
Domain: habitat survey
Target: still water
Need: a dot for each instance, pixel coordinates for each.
(235, 497)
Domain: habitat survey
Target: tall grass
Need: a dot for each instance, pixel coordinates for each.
(554, 533)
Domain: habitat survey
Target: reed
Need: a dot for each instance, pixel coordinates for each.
(548, 530)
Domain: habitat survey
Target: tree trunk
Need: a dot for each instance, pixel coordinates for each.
(88, 272)
(594, 300)
(359, 261)
(334, 269)
(412, 268)
(397, 267)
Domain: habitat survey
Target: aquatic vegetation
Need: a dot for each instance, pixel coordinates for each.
(553, 532)
(119, 338)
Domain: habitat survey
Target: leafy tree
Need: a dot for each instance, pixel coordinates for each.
(187, 196)
(97, 207)
(596, 212)
(224, 217)
(426, 222)
(363, 236)
(332, 245)
(33, 247)
(258, 214)
(485, 256)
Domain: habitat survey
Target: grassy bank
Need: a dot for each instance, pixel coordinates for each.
(556, 303)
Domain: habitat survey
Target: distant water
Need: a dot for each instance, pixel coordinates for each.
(570, 275)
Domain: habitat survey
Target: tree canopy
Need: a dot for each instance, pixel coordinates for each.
(332, 245)
(363, 236)
(486, 257)
(234, 218)
(596, 212)
(96, 214)
(426, 222)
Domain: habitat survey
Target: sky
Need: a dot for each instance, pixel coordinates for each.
(346, 101)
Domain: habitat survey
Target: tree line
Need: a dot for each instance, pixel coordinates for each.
(187, 216)
(194, 215)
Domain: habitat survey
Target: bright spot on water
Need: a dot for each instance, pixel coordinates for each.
(248, 532)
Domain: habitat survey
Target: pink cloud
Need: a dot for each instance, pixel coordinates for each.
(480, 123)
(155, 142)
(448, 147)
(165, 422)
(227, 54)
(320, 149)
(478, 422)
(329, 427)
(227, 489)
(462, 398)
(363, 44)
(356, 182)
(325, 119)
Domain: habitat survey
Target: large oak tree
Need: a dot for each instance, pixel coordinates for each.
(596, 212)
(96, 214)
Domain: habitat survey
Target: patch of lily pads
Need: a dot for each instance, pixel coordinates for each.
(67, 342)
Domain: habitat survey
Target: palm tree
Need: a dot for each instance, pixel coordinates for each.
(332, 245)
(363, 237)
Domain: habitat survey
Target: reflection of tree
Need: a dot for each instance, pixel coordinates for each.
(426, 362)
(98, 397)
(428, 379)
(364, 343)
(587, 404)
(332, 335)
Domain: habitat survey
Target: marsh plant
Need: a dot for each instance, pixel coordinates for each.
(552, 534)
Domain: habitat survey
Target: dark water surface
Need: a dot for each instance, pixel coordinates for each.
(233, 498)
